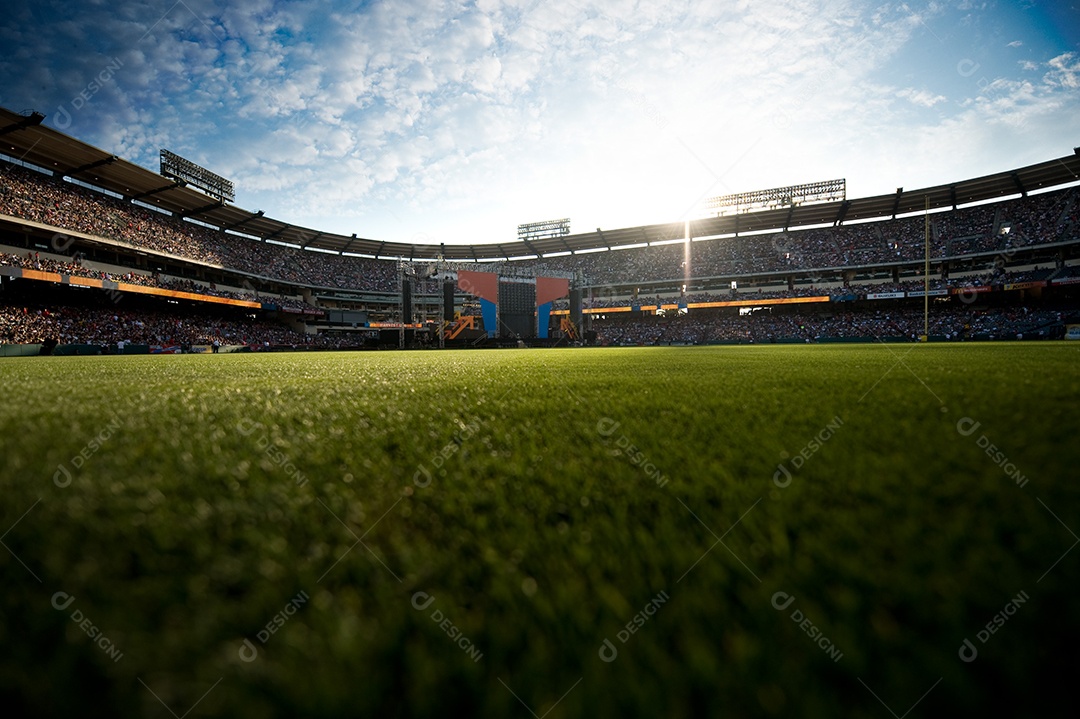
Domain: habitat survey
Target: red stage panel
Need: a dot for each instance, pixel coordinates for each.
(484, 285)
(551, 288)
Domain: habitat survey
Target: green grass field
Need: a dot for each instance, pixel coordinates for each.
(790, 531)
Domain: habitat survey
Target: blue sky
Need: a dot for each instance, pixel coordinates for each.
(434, 121)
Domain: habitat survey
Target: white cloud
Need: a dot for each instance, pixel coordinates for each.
(921, 98)
(1064, 72)
(1015, 43)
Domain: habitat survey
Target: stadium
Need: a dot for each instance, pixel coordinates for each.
(76, 217)
(794, 454)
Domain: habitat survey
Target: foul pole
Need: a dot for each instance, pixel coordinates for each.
(926, 277)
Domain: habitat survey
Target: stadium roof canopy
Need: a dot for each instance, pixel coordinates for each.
(23, 136)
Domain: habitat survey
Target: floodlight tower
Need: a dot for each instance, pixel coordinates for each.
(401, 304)
(405, 295)
(441, 279)
(926, 275)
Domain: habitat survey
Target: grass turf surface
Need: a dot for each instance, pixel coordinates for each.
(182, 503)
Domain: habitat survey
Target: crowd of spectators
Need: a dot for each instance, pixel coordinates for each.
(1002, 228)
(31, 195)
(998, 228)
(34, 261)
(23, 324)
(765, 326)
(858, 290)
(74, 267)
